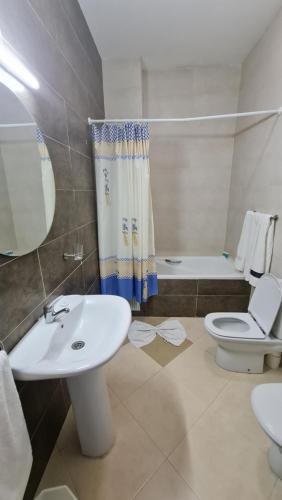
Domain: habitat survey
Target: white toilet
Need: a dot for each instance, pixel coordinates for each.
(244, 338)
(267, 406)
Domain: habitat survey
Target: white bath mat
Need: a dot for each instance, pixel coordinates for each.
(141, 334)
(171, 331)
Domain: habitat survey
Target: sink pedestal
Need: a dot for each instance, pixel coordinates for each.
(91, 406)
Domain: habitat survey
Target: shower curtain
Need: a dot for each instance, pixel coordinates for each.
(125, 217)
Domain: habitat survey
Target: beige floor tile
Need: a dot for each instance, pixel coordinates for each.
(128, 370)
(193, 326)
(277, 491)
(233, 408)
(207, 343)
(123, 471)
(56, 474)
(163, 352)
(219, 464)
(197, 370)
(68, 432)
(165, 409)
(68, 435)
(166, 484)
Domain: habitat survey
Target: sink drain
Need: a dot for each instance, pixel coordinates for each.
(79, 344)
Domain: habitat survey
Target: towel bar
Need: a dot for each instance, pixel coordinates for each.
(273, 217)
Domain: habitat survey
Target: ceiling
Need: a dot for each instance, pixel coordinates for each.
(169, 33)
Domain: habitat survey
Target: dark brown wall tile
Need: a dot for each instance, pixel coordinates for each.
(85, 207)
(221, 303)
(169, 305)
(82, 171)
(60, 158)
(78, 133)
(223, 287)
(177, 287)
(44, 438)
(64, 218)
(53, 40)
(90, 270)
(54, 268)
(87, 235)
(35, 398)
(94, 288)
(21, 290)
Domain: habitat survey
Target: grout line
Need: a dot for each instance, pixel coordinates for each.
(42, 301)
(11, 259)
(64, 144)
(45, 411)
(78, 228)
(147, 480)
(59, 49)
(41, 274)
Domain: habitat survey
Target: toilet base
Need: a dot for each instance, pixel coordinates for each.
(275, 459)
(238, 361)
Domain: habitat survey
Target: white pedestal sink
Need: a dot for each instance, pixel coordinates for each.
(76, 346)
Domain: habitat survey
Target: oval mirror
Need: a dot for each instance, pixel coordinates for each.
(27, 187)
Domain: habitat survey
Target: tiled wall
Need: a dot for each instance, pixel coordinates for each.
(191, 162)
(197, 297)
(53, 40)
(256, 181)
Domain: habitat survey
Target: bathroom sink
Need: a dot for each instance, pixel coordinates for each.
(85, 338)
(75, 346)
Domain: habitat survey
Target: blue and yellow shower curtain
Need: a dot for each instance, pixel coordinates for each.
(125, 217)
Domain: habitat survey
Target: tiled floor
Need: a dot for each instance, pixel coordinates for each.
(184, 431)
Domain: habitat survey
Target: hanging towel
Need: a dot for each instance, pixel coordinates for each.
(15, 448)
(244, 242)
(261, 248)
(171, 331)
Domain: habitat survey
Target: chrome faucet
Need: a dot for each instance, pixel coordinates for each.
(50, 314)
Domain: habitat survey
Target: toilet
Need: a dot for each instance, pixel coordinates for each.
(243, 339)
(266, 402)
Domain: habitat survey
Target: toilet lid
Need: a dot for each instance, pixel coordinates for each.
(265, 302)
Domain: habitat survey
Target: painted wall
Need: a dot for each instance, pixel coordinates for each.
(191, 163)
(122, 80)
(256, 181)
(53, 40)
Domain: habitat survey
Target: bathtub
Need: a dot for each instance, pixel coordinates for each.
(198, 268)
(196, 287)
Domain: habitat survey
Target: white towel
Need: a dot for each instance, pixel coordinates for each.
(141, 333)
(15, 448)
(171, 330)
(255, 247)
(261, 248)
(244, 242)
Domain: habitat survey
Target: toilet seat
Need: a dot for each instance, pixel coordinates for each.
(267, 406)
(233, 326)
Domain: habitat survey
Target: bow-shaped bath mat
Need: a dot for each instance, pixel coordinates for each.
(171, 331)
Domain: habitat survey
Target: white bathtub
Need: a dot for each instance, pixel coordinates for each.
(198, 268)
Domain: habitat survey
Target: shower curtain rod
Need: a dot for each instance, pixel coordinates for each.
(14, 125)
(191, 119)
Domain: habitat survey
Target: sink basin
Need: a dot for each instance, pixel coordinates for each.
(75, 346)
(100, 321)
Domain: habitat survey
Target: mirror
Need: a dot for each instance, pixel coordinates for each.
(27, 187)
